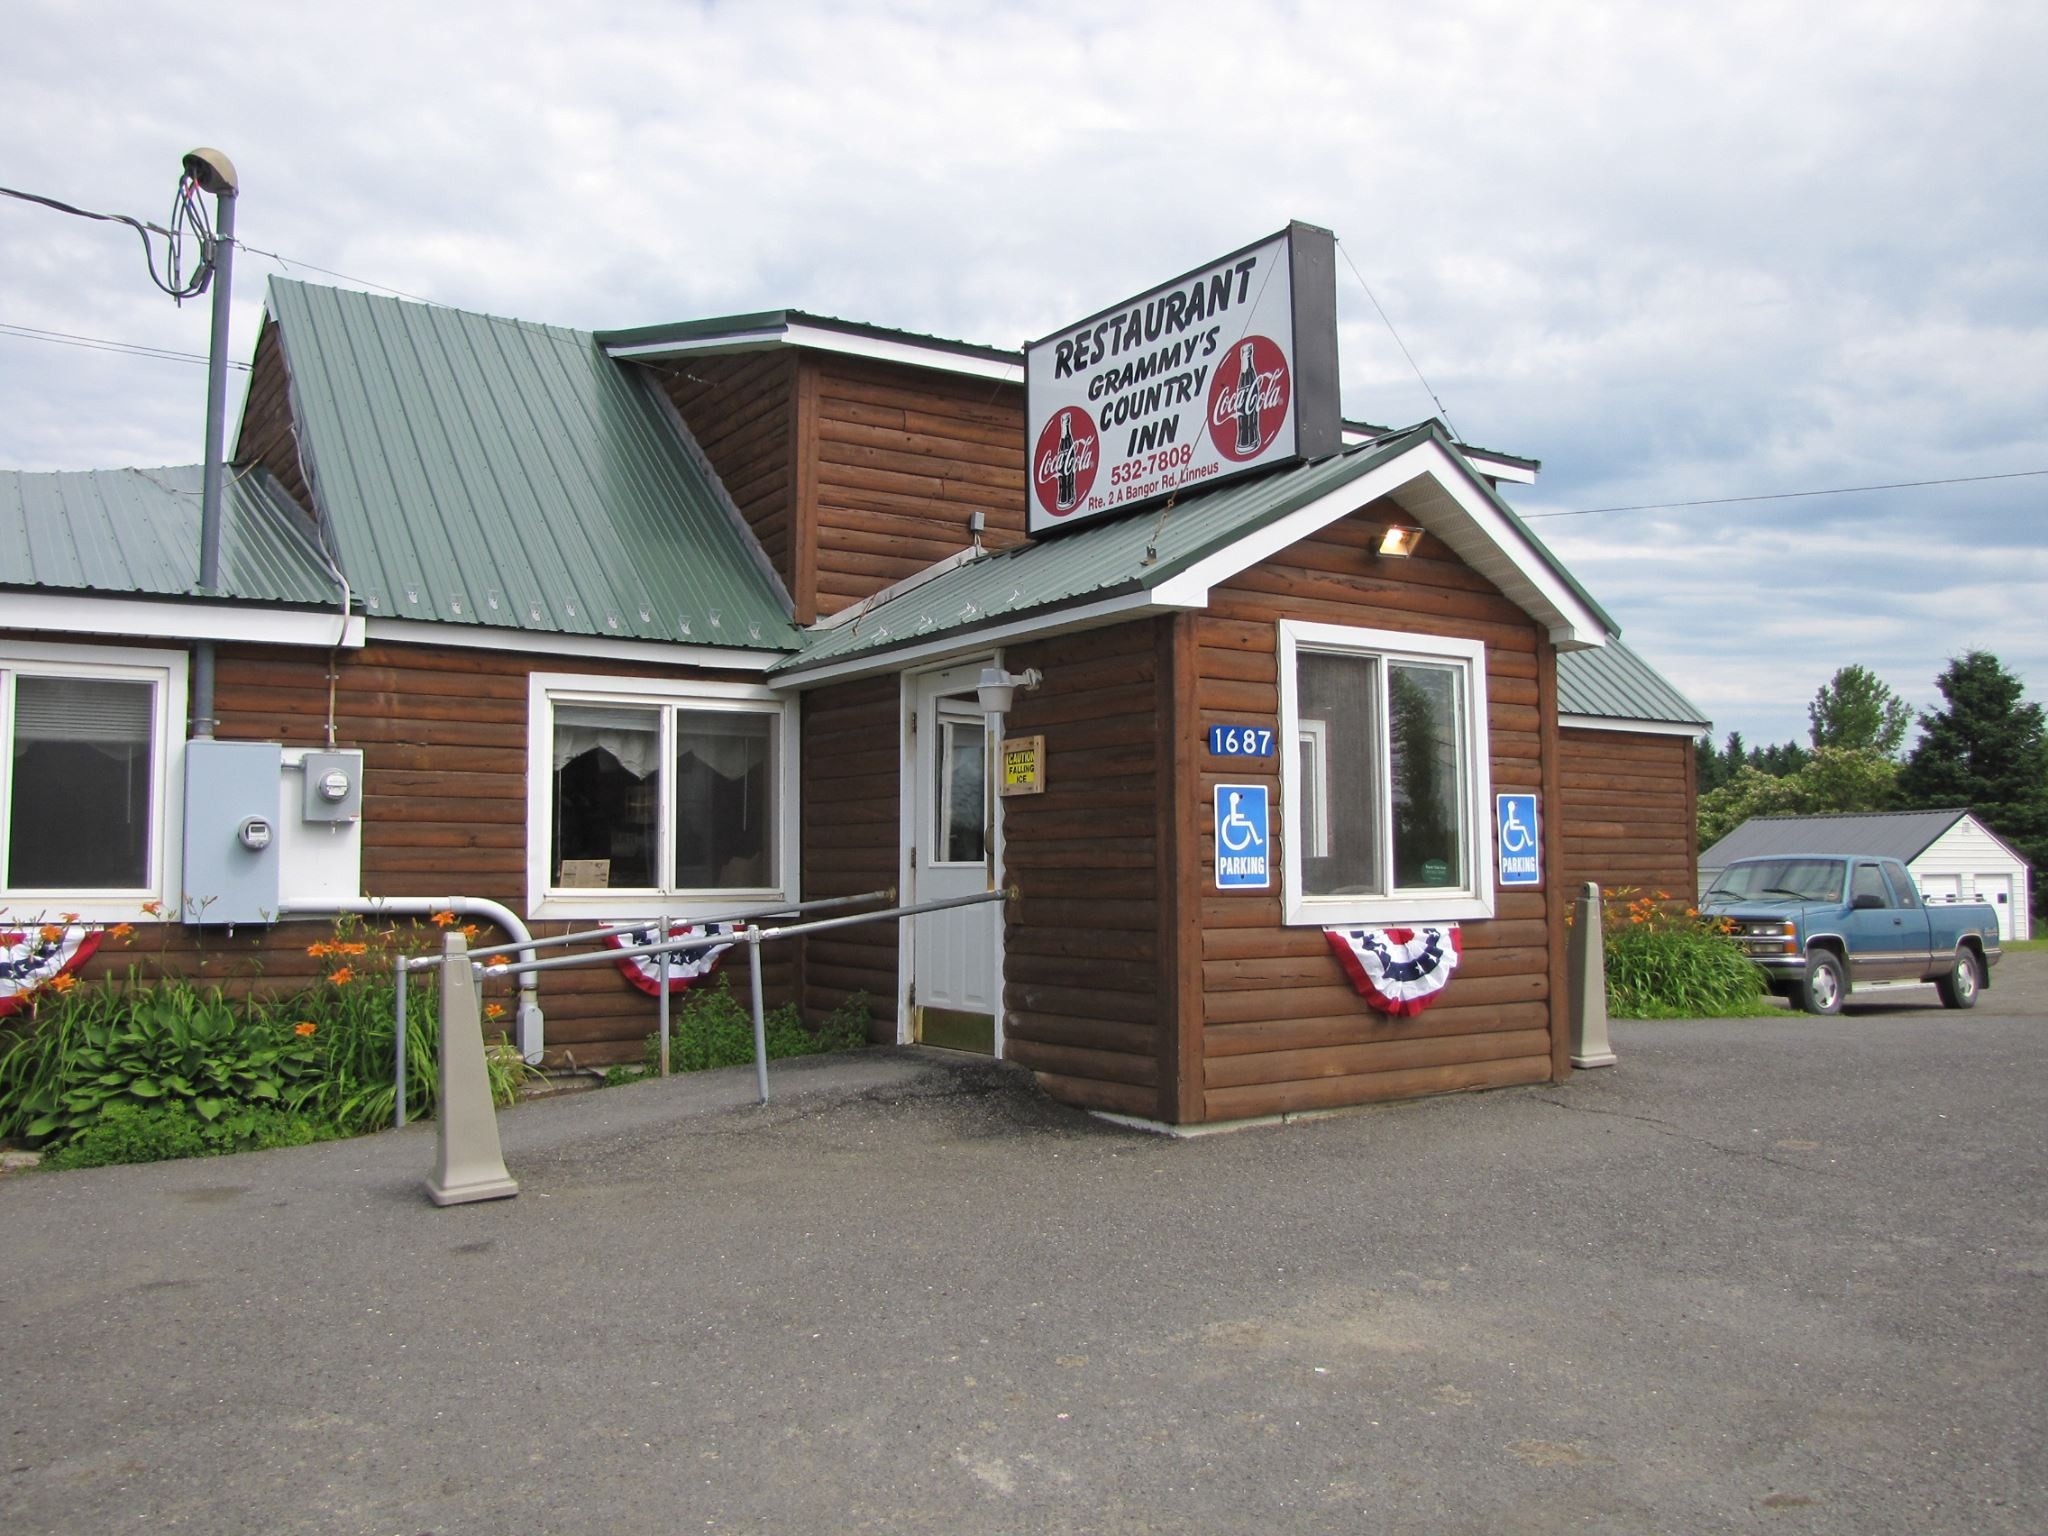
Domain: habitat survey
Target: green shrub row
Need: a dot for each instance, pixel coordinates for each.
(1665, 961)
(709, 1027)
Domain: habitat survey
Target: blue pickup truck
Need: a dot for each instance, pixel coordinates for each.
(1823, 926)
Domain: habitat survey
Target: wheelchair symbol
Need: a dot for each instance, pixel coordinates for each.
(1237, 830)
(1514, 837)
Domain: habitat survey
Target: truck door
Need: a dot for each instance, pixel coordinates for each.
(1879, 947)
(1914, 923)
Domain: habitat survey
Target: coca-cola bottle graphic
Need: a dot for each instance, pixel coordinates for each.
(1066, 495)
(1247, 401)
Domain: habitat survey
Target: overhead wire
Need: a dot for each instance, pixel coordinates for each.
(1428, 389)
(1837, 490)
(103, 344)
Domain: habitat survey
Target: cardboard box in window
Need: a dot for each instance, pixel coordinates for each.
(585, 875)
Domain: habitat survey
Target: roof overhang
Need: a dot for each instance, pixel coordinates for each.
(1633, 727)
(81, 613)
(782, 328)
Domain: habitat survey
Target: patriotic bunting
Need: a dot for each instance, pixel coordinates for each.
(1398, 970)
(685, 966)
(38, 956)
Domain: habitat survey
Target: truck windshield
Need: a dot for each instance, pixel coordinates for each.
(1805, 879)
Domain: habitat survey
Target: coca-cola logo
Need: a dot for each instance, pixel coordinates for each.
(1248, 398)
(1064, 462)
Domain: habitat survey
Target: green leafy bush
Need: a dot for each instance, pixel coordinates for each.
(1667, 962)
(710, 1028)
(134, 1133)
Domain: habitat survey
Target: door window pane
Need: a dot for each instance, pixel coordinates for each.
(82, 771)
(725, 811)
(1339, 699)
(963, 791)
(1425, 752)
(607, 786)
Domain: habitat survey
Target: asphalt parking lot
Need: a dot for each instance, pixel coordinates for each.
(1782, 1274)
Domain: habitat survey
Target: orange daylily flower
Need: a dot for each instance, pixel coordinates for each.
(153, 908)
(304, 1028)
(442, 919)
(317, 950)
(69, 917)
(62, 984)
(342, 976)
(469, 930)
(122, 931)
(50, 933)
(494, 1010)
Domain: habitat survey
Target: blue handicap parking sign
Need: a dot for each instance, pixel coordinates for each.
(1244, 848)
(1515, 836)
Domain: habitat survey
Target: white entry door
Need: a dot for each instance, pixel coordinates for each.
(1997, 889)
(955, 967)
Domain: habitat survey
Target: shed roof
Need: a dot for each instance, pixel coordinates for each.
(1901, 835)
(796, 328)
(1168, 556)
(135, 533)
(474, 470)
(1611, 682)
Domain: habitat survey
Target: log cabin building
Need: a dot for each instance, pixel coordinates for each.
(689, 620)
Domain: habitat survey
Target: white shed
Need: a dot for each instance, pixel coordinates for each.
(1953, 855)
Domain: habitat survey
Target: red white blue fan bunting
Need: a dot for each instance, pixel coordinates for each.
(33, 959)
(685, 966)
(1398, 970)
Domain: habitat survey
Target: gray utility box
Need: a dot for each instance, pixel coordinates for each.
(334, 786)
(233, 845)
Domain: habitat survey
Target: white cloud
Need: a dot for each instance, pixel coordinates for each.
(1675, 252)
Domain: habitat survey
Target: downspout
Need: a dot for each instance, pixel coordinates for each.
(528, 1026)
(218, 177)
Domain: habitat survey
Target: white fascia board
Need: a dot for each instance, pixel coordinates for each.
(967, 642)
(1633, 727)
(1498, 469)
(141, 618)
(1548, 600)
(824, 339)
(547, 643)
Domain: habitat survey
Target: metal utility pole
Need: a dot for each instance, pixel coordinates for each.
(213, 172)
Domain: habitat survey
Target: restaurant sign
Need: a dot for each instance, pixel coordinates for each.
(1229, 369)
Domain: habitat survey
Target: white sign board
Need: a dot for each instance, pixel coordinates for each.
(1229, 369)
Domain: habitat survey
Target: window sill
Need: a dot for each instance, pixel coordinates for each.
(1387, 911)
(639, 906)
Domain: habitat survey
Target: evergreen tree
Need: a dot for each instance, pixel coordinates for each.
(1858, 709)
(1987, 752)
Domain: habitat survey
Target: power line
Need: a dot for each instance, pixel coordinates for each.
(288, 262)
(188, 216)
(1838, 490)
(102, 344)
(1440, 408)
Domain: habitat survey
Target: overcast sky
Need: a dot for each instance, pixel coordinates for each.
(1677, 253)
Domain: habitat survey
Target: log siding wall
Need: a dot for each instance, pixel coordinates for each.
(267, 436)
(852, 776)
(1629, 811)
(1084, 940)
(902, 456)
(1282, 1028)
(443, 737)
(743, 412)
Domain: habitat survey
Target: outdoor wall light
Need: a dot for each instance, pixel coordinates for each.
(1399, 543)
(997, 688)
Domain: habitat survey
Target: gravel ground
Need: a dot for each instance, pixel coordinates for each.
(1782, 1274)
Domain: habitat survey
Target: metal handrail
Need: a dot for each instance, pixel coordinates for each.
(753, 936)
(558, 940)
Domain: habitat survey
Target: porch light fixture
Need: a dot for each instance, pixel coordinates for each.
(997, 688)
(1399, 543)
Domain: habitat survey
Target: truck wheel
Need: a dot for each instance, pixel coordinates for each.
(1958, 987)
(1823, 990)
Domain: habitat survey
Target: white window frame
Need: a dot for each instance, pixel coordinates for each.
(165, 672)
(547, 689)
(1473, 894)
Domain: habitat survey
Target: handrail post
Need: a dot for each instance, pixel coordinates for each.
(398, 1036)
(663, 993)
(1587, 964)
(760, 1019)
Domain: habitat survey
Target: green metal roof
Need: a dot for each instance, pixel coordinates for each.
(135, 532)
(483, 471)
(1612, 682)
(1118, 556)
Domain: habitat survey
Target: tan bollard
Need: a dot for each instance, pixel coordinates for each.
(469, 1165)
(1588, 967)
